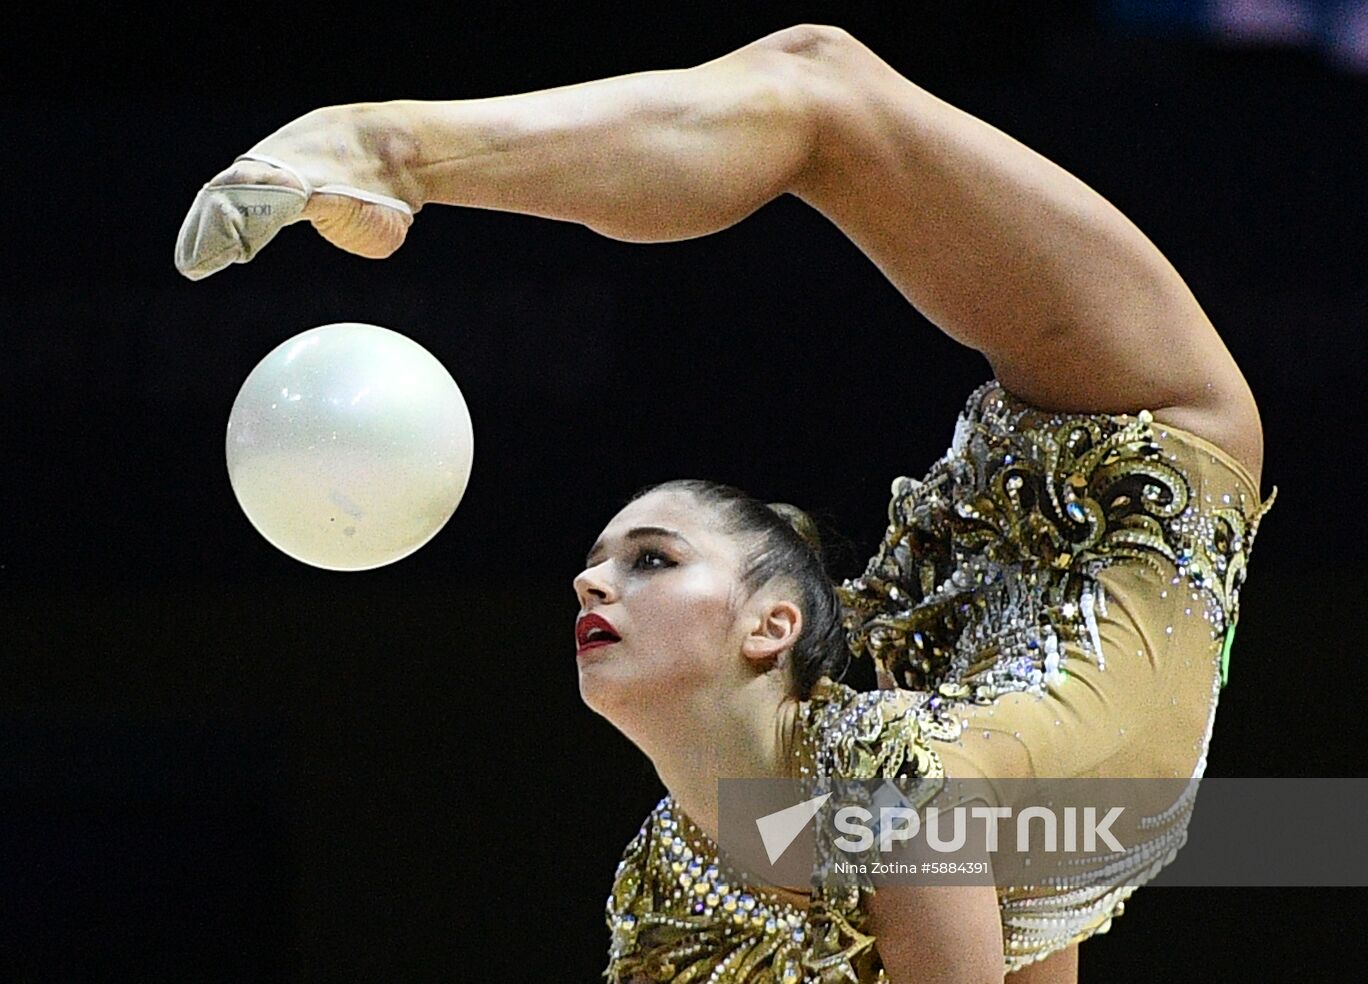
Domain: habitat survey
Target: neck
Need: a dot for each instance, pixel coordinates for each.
(748, 733)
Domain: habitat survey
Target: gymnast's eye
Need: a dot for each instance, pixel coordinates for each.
(651, 560)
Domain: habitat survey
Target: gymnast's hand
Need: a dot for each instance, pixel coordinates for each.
(329, 167)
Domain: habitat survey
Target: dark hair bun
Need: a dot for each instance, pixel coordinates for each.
(801, 523)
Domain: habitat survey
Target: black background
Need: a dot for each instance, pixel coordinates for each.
(218, 764)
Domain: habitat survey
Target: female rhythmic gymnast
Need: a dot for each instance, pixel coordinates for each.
(1051, 601)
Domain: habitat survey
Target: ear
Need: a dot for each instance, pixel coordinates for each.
(776, 628)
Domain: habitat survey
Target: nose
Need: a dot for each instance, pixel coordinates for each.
(592, 585)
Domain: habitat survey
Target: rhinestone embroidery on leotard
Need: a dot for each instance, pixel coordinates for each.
(990, 563)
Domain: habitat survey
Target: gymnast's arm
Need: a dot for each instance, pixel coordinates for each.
(1003, 250)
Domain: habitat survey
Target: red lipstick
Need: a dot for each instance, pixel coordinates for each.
(594, 632)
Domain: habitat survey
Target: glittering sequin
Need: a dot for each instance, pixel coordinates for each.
(991, 561)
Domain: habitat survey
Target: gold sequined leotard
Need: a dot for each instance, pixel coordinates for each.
(1055, 599)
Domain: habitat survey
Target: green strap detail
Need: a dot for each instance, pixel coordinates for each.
(1225, 654)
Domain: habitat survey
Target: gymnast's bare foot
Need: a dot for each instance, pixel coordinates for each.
(344, 169)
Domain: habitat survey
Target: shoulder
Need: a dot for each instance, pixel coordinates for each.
(874, 734)
(627, 879)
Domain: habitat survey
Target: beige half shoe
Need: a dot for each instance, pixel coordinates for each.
(230, 223)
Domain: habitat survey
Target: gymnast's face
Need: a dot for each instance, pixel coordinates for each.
(660, 600)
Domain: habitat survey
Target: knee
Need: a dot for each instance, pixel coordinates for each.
(812, 40)
(838, 79)
(828, 64)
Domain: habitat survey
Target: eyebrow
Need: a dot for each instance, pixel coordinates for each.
(636, 533)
